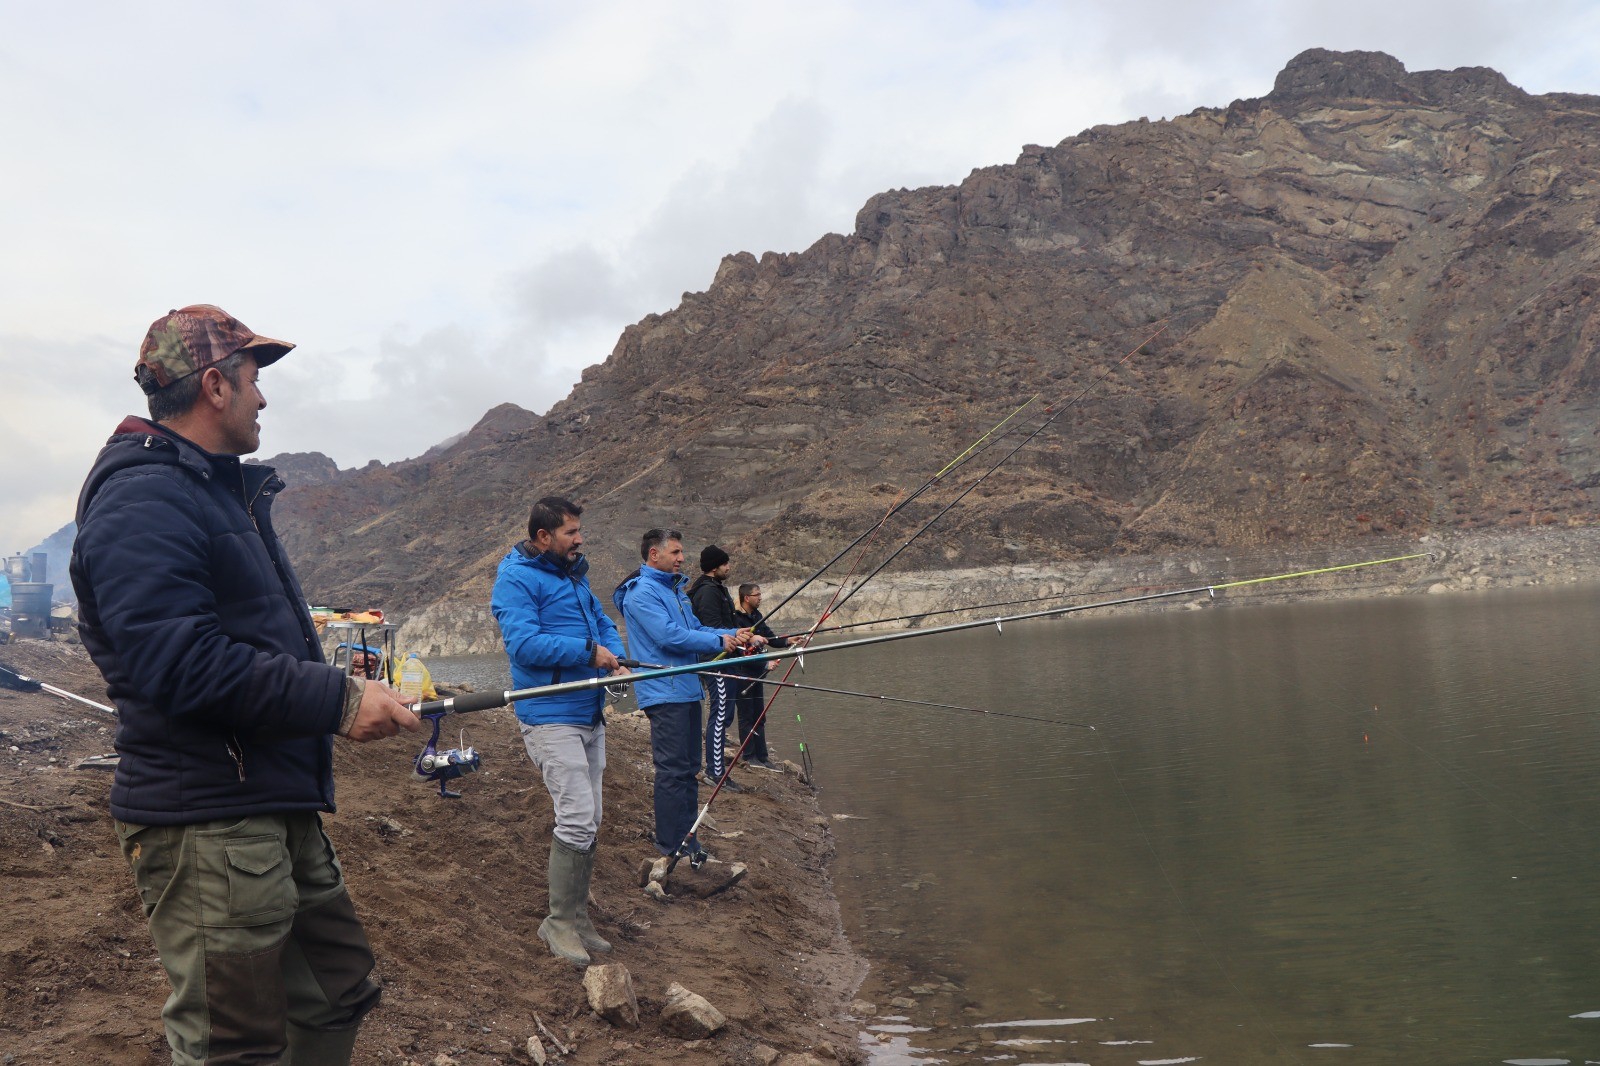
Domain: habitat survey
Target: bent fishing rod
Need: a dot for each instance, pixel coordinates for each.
(941, 611)
(483, 701)
(970, 452)
(953, 464)
(1054, 413)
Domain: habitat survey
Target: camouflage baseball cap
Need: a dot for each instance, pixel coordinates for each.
(187, 340)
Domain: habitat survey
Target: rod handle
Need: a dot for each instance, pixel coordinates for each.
(467, 701)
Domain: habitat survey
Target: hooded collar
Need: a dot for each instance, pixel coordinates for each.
(137, 442)
(552, 562)
(662, 576)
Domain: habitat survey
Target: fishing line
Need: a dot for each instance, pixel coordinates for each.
(1188, 915)
(1473, 783)
(895, 699)
(744, 741)
(1055, 413)
(955, 464)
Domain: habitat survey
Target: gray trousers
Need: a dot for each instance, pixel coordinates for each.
(572, 760)
(257, 935)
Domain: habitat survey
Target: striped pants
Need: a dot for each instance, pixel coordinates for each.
(720, 693)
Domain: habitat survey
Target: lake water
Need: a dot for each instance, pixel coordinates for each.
(1341, 833)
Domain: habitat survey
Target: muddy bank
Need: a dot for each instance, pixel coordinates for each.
(451, 892)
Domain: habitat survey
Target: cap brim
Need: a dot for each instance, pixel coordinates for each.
(267, 351)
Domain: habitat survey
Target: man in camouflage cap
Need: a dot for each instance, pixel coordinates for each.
(227, 712)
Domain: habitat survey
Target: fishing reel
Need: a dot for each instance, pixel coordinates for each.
(441, 766)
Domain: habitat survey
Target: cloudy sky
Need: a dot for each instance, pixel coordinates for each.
(452, 205)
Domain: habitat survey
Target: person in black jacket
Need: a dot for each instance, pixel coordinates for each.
(227, 711)
(750, 696)
(713, 605)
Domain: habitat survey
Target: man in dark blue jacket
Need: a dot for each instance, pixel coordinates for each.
(554, 631)
(227, 711)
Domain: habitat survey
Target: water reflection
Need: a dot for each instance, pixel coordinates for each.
(1360, 830)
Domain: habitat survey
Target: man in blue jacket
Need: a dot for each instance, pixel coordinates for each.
(663, 631)
(227, 711)
(554, 631)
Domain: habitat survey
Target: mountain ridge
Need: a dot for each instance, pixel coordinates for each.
(1377, 289)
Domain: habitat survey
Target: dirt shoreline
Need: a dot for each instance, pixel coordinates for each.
(451, 891)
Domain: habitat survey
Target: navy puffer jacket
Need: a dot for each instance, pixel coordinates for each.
(190, 609)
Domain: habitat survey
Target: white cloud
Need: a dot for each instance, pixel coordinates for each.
(449, 206)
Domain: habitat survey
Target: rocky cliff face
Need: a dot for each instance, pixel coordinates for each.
(1375, 292)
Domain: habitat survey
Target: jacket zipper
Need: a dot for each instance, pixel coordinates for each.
(250, 505)
(236, 750)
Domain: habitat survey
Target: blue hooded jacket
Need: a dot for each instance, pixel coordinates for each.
(550, 622)
(663, 629)
(190, 609)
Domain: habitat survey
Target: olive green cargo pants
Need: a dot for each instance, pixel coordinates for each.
(267, 959)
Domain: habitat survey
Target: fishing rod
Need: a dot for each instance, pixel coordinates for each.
(895, 509)
(949, 610)
(933, 614)
(483, 701)
(22, 683)
(836, 601)
(440, 767)
(1055, 414)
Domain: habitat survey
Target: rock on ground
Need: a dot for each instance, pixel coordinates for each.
(689, 1015)
(610, 990)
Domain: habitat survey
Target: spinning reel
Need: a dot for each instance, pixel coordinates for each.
(441, 766)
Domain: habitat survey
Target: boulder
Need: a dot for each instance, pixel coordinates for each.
(714, 877)
(610, 991)
(689, 1015)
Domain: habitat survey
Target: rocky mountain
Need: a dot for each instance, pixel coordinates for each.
(1372, 299)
